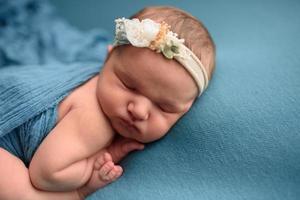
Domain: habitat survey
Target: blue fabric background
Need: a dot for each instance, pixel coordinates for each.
(42, 59)
(241, 139)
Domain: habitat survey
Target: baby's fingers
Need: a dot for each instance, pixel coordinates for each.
(110, 172)
(115, 173)
(101, 160)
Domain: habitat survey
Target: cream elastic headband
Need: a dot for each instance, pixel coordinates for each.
(158, 37)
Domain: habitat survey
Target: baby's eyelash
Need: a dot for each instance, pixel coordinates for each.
(162, 108)
(166, 110)
(130, 88)
(123, 83)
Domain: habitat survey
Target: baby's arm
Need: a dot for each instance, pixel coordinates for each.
(65, 158)
(105, 168)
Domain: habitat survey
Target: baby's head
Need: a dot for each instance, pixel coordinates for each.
(143, 91)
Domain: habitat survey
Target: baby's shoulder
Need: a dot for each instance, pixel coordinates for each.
(77, 98)
(85, 95)
(85, 101)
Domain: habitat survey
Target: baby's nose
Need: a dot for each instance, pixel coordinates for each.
(138, 111)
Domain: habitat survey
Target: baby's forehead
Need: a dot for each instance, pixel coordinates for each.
(151, 71)
(148, 60)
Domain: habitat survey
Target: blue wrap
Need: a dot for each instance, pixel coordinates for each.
(42, 59)
(29, 97)
(240, 141)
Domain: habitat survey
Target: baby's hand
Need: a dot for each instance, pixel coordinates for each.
(107, 170)
(122, 146)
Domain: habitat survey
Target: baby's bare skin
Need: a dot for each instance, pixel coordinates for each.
(138, 96)
(120, 101)
(105, 168)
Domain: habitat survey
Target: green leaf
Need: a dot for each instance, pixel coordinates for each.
(168, 52)
(174, 49)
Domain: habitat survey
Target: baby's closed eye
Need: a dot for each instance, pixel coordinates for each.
(126, 85)
(165, 108)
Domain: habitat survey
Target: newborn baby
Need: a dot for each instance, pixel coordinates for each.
(150, 79)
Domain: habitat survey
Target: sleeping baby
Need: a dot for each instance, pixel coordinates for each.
(161, 61)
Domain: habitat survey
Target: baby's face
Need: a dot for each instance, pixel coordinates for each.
(143, 94)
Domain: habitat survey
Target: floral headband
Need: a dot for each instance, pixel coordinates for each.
(158, 37)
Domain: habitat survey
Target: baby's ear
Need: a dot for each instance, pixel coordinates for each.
(109, 48)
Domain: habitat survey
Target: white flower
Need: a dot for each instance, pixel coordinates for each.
(140, 34)
(150, 29)
(148, 33)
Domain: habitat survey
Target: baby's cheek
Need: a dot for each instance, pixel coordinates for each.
(161, 128)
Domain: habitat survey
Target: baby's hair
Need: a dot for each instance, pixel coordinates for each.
(196, 36)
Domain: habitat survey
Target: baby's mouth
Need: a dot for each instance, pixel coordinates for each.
(129, 125)
(127, 122)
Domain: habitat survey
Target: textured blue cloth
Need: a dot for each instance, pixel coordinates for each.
(39, 66)
(29, 98)
(31, 32)
(241, 139)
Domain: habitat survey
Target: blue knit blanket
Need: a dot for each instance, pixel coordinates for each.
(240, 140)
(42, 59)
